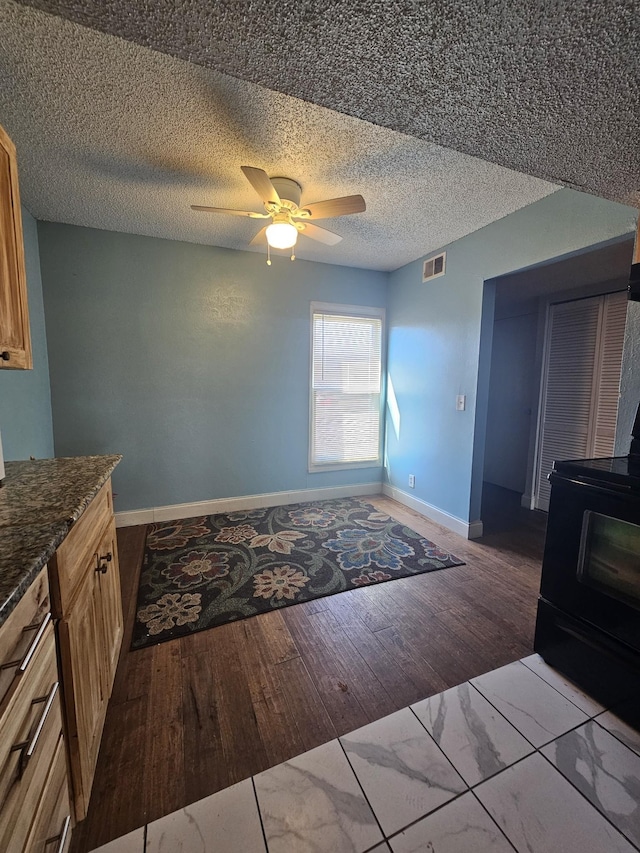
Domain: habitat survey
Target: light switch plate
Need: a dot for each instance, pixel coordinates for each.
(461, 401)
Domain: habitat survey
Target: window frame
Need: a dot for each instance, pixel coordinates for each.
(357, 311)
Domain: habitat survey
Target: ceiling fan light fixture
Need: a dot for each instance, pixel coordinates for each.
(281, 199)
(281, 234)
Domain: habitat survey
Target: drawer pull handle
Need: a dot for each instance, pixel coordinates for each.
(5, 355)
(24, 663)
(28, 746)
(45, 713)
(61, 837)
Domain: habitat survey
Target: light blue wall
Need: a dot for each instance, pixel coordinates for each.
(436, 350)
(25, 399)
(192, 361)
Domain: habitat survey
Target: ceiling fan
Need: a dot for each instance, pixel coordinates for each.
(281, 199)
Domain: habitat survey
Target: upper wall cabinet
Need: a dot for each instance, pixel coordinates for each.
(15, 340)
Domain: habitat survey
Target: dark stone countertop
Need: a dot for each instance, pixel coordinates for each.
(40, 501)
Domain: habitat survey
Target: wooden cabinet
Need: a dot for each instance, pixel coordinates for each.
(15, 340)
(111, 600)
(51, 830)
(59, 649)
(86, 598)
(32, 754)
(82, 671)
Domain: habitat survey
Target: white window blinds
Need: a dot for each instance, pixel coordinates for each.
(346, 377)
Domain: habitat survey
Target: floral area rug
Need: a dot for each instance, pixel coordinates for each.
(202, 572)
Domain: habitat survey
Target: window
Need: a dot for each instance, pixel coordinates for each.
(346, 379)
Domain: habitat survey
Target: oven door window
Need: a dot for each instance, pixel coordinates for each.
(610, 557)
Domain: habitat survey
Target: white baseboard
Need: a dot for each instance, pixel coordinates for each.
(470, 530)
(174, 511)
(134, 516)
(527, 502)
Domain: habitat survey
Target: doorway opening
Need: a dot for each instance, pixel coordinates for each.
(526, 382)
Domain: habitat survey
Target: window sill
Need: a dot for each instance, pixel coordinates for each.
(344, 466)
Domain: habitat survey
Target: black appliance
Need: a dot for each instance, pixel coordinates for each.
(634, 283)
(588, 623)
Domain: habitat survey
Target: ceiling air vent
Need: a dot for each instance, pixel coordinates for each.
(434, 267)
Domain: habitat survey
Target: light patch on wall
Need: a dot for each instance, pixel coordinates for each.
(392, 406)
(227, 305)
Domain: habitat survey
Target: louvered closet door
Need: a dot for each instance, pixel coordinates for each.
(581, 383)
(614, 316)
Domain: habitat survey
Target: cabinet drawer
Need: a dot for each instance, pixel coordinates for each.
(22, 634)
(51, 829)
(30, 728)
(76, 555)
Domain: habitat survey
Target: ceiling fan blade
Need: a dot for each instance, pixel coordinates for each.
(261, 183)
(336, 207)
(249, 213)
(320, 234)
(260, 237)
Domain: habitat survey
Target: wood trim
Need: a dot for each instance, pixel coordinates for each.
(131, 518)
(470, 530)
(20, 358)
(636, 247)
(171, 512)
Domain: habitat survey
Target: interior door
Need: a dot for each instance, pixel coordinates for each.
(581, 382)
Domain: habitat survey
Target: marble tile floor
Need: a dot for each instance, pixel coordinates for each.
(518, 759)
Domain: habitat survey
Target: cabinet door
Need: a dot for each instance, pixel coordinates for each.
(82, 660)
(90, 637)
(15, 342)
(111, 605)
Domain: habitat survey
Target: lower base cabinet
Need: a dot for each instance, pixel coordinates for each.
(86, 594)
(51, 830)
(32, 752)
(59, 649)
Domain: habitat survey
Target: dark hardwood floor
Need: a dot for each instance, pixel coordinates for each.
(197, 714)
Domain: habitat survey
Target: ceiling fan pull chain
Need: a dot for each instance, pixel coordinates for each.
(268, 254)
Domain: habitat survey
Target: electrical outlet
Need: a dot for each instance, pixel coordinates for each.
(461, 401)
(412, 481)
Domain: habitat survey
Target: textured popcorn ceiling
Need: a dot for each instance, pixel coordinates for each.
(117, 136)
(544, 87)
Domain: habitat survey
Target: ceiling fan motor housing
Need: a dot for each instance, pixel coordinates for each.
(289, 192)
